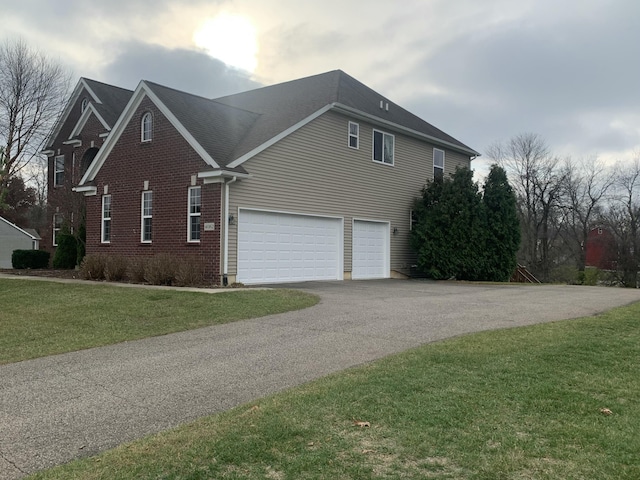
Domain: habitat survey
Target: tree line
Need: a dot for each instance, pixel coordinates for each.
(560, 200)
(557, 203)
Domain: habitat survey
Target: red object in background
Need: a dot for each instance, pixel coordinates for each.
(601, 250)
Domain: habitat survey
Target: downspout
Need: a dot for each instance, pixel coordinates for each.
(225, 279)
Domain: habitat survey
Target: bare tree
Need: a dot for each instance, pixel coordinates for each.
(33, 92)
(586, 184)
(537, 178)
(623, 219)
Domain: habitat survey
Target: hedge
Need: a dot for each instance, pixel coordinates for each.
(21, 259)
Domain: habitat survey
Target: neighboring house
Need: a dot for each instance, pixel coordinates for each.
(312, 179)
(91, 112)
(13, 238)
(601, 250)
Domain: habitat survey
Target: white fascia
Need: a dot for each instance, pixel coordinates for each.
(82, 84)
(240, 160)
(180, 128)
(220, 176)
(86, 190)
(85, 117)
(13, 225)
(399, 128)
(141, 91)
(76, 142)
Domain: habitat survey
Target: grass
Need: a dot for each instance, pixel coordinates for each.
(40, 318)
(512, 404)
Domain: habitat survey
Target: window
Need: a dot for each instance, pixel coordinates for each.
(438, 164)
(146, 127)
(83, 107)
(383, 147)
(147, 200)
(195, 204)
(106, 218)
(413, 219)
(354, 133)
(57, 226)
(58, 171)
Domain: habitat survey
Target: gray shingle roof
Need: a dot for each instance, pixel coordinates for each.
(217, 127)
(113, 99)
(285, 104)
(231, 126)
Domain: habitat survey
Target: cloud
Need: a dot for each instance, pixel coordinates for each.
(188, 70)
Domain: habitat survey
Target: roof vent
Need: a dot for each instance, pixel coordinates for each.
(381, 104)
(386, 106)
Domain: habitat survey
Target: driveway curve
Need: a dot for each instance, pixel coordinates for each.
(58, 408)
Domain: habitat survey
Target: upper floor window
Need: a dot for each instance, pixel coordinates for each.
(57, 226)
(58, 171)
(354, 135)
(438, 164)
(413, 219)
(383, 145)
(106, 219)
(195, 206)
(147, 216)
(84, 105)
(146, 127)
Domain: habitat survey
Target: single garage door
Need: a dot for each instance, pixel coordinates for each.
(370, 257)
(281, 247)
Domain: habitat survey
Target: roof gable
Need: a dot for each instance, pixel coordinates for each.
(229, 130)
(82, 121)
(17, 229)
(108, 100)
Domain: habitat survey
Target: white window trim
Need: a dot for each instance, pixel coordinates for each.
(56, 171)
(54, 229)
(356, 136)
(143, 217)
(373, 147)
(105, 219)
(144, 139)
(434, 162)
(412, 221)
(190, 215)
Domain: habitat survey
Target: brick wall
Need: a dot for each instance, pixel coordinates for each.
(61, 199)
(168, 163)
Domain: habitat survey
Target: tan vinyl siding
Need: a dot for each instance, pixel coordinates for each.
(313, 171)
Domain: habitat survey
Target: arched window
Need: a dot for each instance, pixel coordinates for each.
(84, 104)
(146, 127)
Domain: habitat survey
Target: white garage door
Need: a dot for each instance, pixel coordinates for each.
(281, 247)
(370, 256)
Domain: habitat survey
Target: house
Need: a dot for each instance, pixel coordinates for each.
(312, 179)
(601, 250)
(13, 238)
(91, 112)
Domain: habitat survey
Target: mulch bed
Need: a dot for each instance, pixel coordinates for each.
(45, 272)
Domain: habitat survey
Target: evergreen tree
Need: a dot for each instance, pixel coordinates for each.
(503, 226)
(67, 250)
(449, 236)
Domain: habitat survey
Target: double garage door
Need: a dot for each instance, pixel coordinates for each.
(280, 247)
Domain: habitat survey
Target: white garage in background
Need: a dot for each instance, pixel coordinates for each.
(283, 247)
(371, 252)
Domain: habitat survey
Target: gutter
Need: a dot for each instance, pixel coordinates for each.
(225, 271)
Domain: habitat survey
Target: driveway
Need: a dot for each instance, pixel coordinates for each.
(58, 408)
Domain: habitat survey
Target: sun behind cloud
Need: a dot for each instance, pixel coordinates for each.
(231, 39)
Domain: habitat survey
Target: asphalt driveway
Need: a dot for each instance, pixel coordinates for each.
(58, 408)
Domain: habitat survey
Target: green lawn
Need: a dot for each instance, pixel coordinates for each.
(39, 318)
(513, 404)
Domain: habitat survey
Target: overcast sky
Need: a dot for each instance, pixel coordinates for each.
(568, 70)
